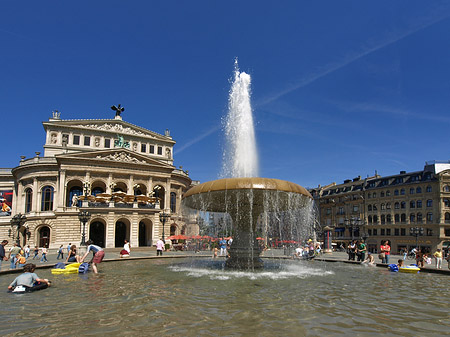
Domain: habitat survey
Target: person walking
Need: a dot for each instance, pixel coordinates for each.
(36, 253)
(438, 256)
(12, 255)
(44, 254)
(2, 252)
(223, 247)
(159, 247)
(60, 253)
(27, 251)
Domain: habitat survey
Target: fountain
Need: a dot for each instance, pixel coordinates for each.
(249, 200)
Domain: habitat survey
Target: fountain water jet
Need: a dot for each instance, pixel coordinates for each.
(245, 197)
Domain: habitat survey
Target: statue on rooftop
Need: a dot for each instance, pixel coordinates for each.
(118, 109)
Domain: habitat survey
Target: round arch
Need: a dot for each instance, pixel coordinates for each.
(141, 190)
(43, 233)
(159, 192)
(121, 232)
(97, 231)
(120, 186)
(97, 187)
(74, 187)
(145, 231)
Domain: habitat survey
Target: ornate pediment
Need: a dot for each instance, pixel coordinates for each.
(119, 155)
(123, 157)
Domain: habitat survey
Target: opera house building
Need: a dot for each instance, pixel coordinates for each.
(118, 174)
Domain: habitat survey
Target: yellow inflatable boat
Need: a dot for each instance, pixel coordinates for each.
(70, 269)
(409, 269)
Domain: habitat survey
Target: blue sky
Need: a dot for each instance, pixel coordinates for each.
(339, 88)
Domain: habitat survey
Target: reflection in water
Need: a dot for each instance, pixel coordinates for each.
(200, 298)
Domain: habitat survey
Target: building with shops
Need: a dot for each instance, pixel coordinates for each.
(122, 174)
(407, 209)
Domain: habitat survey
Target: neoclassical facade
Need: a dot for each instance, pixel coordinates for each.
(122, 174)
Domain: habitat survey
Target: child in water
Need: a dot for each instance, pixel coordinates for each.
(29, 280)
(400, 263)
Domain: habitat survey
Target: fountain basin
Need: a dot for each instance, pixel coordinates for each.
(245, 200)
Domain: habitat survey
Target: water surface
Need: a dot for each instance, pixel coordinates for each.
(174, 297)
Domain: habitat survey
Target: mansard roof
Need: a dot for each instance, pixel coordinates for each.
(113, 126)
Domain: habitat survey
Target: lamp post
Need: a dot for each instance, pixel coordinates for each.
(86, 188)
(416, 231)
(84, 217)
(163, 217)
(353, 223)
(17, 221)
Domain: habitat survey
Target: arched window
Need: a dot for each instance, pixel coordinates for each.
(382, 194)
(44, 236)
(429, 203)
(429, 189)
(383, 219)
(403, 204)
(446, 202)
(28, 200)
(396, 192)
(412, 190)
(383, 207)
(402, 191)
(412, 204)
(397, 218)
(419, 190)
(374, 207)
(369, 219)
(75, 190)
(388, 205)
(419, 217)
(388, 193)
(375, 219)
(397, 205)
(369, 208)
(447, 217)
(419, 204)
(97, 190)
(47, 198)
(173, 202)
(374, 194)
(403, 217)
(388, 218)
(158, 192)
(429, 217)
(412, 218)
(446, 188)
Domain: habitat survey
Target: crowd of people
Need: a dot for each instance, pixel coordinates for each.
(357, 248)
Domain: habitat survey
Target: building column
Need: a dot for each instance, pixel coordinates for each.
(134, 230)
(167, 194)
(62, 189)
(110, 230)
(36, 196)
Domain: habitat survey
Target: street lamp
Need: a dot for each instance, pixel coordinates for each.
(84, 217)
(416, 231)
(163, 217)
(17, 221)
(86, 188)
(353, 223)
